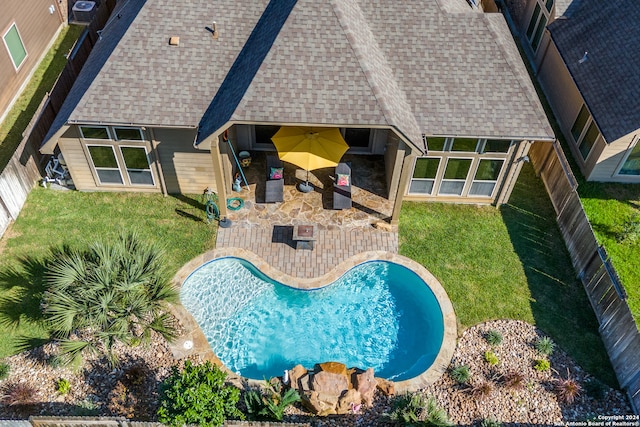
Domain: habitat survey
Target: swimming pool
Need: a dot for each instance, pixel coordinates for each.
(379, 314)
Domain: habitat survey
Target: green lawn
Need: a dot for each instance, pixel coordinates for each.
(53, 218)
(43, 79)
(507, 263)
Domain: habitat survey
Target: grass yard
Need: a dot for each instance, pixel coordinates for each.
(610, 207)
(53, 218)
(42, 81)
(507, 263)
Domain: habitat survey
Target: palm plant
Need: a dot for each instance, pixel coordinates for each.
(105, 294)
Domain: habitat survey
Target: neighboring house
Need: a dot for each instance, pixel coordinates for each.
(28, 29)
(435, 88)
(588, 63)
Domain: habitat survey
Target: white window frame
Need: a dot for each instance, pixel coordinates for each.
(115, 133)
(583, 133)
(126, 169)
(544, 12)
(467, 184)
(95, 139)
(6, 45)
(95, 169)
(435, 179)
(625, 158)
(500, 174)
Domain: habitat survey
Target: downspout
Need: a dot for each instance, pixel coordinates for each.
(156, 154)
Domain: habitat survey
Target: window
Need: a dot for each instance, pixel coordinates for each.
(95, 132)
(486, 177)
(436, 143)
(469, 145)
(128, 134)
(584, 132)
(13, 42)
(496, 146)
(105, 163)
(455, 176)
(631, 166)
(538, 22)
(424, 175)
(137, 165)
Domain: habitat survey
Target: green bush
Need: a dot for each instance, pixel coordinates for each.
(542, 365)
(413, 409)
(493, 337)
(270, 405)
(545, 346)
(4, 370)
(110, 292)
(490, 422)
(461, 374)
(198, 395)
(63, 386)
(491, 358)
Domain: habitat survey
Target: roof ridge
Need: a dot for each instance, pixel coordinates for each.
(376, 69)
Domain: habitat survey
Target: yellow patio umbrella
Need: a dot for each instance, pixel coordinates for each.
(310, 147)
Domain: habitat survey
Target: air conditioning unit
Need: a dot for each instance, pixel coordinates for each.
(84, 11)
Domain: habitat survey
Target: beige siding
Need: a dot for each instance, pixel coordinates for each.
(77, 161)
(38, 29)
(611, 158)
(186, 169)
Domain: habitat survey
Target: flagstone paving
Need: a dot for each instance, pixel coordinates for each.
(267, 228)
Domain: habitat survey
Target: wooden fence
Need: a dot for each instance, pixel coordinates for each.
(607, 296)
(26, 167)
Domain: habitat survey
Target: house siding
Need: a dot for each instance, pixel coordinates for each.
(610, 160)
(186, 169)
(38, 29)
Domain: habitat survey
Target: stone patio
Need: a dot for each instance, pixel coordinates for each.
(267, 228)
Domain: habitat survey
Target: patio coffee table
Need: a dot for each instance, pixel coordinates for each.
(304, 236)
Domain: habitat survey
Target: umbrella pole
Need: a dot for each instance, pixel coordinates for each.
(306, 187)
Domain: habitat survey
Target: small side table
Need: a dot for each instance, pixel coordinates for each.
(304, 236)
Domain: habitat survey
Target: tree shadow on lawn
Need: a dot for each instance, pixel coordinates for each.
(22, 287)
(558, 301)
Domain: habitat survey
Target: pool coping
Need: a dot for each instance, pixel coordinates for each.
(198, 346)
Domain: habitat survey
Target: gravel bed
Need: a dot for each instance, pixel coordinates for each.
(131, 390)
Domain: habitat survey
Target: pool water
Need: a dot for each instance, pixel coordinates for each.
(379, 314)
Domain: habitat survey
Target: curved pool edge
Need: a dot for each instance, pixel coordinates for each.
(202, 349)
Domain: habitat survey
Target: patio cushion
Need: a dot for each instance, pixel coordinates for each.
(274, 187)
(276, 173)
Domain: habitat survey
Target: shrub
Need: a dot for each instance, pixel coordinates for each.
(491, 358)
(513, 380)
(542, 365)
(545, 346)
(4, 370)
(63, 386)
(18, 394)
(269, 407)
(493, 337)
(595, 389)
(482, 389)
(86, 408)
(107, 293)
(490, 422)
(461, 374)
(121, 401)
(197, 395)
(413, 409)
(136, 374)
(567, 389)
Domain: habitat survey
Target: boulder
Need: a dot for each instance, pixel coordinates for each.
(384, 226)
(366, 384)
(386, 387)
(348, 401)
(295, 375)
(327, 382)
(321, 404)
(332, 367)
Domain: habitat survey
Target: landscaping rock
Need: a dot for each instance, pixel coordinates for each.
(348, 401)
(328, 382)
(386, 387)
(366, 385)
(295, 376)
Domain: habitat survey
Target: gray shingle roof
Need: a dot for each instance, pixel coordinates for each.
(415, 67)
(609, 80)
